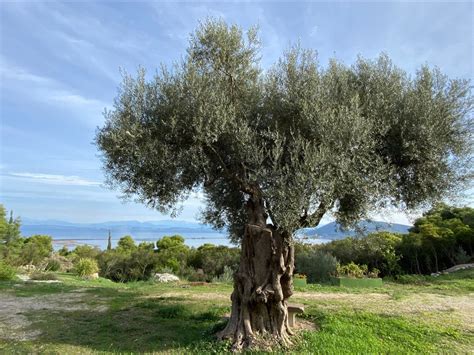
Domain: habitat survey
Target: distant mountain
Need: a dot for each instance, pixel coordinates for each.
(332, 231)
(153, 229)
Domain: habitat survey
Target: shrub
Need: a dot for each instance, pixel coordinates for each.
(121, 266)
(374, 273)
(213, 259)
(53, 264)
(43, 276)
(352, 270)
(35, 249)
(58, 263)
(85, 252)
(126, 244)
(461, 257)
(198, 277)
(226, 277)
(86, 267)
(7, 272)
(376, 250)
(317, 265)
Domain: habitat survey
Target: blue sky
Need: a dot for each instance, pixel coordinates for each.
(59, 69)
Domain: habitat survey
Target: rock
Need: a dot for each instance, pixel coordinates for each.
(27, 268)
(459, 267)
(23, 277)
(94, 276)
(165, 277)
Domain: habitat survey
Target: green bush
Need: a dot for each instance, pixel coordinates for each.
(58, 263)
(374, 273)
(198, 277)
(7, 272)
(85, 252)
(53, 264)
(376, 250)
(213, 259)
(128, 265)
(352, 270)
(317, 265)
(35, 249)
(226, 277)
(86, 267)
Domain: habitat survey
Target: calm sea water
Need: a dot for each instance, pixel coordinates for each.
(191, 239)
(70, 237)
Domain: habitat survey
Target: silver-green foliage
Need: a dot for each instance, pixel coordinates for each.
(86, 267)
(317, 265)
(307, 139)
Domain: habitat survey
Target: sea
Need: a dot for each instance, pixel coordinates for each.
(100, 241)
(71, 237)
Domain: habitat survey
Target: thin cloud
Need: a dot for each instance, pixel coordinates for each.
(18, 74)
(56, 179)
(49, 91)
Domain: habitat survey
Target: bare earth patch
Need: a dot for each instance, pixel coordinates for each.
(455, 310)
(14, 322)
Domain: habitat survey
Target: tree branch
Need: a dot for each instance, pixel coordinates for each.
(244, 187)
(312, 220)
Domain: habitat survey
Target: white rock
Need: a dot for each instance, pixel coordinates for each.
(166, 277)
(23, 277)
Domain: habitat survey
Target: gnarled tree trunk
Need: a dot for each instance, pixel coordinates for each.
(262, 284)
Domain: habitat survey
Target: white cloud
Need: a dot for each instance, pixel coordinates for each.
(18, 74)
(73, 99)
(49, 91)
(56, 179)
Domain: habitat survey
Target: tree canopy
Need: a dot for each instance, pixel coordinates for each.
(304, 138)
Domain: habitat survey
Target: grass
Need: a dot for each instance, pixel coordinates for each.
(99, 316)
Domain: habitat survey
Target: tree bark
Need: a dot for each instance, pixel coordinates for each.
(262, 284)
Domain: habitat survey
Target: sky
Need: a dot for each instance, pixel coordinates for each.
(60, 65)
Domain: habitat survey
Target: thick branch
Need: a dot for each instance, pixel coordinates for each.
(313, 219)
(243, 186)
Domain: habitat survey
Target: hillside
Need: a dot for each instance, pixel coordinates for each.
(332, 231)
(58, 228)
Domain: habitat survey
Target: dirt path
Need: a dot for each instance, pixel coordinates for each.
(457, 311)
(14, 323)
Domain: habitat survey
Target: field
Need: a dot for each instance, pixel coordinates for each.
(423, 315)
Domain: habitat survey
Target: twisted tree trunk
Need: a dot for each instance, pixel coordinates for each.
(262, 284)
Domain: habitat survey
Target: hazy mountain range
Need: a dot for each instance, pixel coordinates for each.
(62, 229)
(333, 230)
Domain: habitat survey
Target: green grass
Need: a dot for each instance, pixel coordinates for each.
(179, 318)
(364, 332)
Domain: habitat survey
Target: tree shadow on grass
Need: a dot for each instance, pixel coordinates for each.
(142, 326)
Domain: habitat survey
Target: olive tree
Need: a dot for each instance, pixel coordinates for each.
(275, 150)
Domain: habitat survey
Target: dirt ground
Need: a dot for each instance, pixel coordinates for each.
(443, 309)
(14, 325)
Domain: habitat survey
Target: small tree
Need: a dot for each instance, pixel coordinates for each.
(35, 249)
(275, 151)
(126, 244)
(10, 236)
(109, 242)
